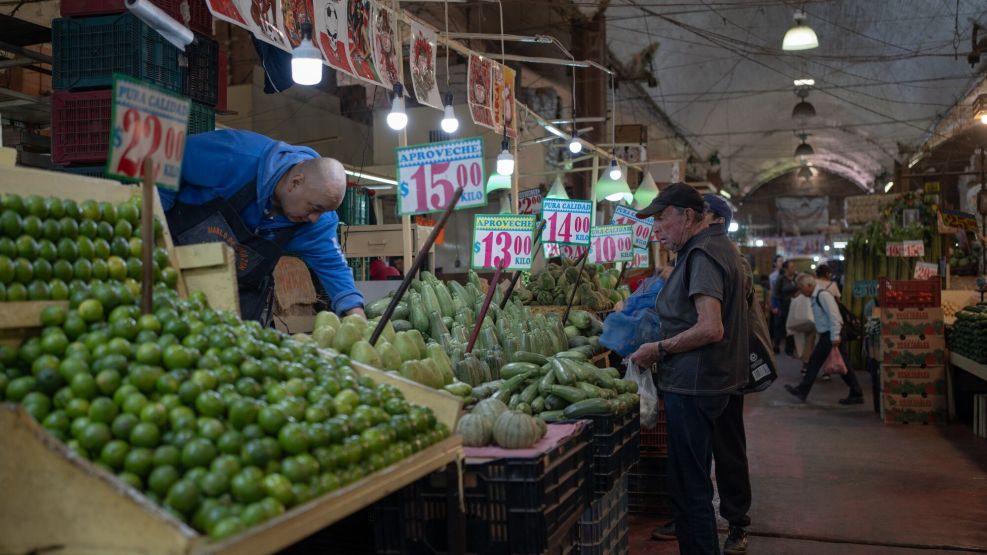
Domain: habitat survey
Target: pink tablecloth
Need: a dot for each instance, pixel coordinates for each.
(556, 434)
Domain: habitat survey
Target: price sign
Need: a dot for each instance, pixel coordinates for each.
(566, 221)
(428, 176)
(146, 123)
(569, 252)
(865, 288)
(502, 240)
(894, 248)
(926, 270)
(624, 215)
(640, 259)
(913, 248)
(611, 243)
(529, 202)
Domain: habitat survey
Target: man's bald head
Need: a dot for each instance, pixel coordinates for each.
(311, 188)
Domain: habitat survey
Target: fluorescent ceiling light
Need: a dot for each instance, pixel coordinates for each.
(369, 177)
(839, 245)
(555, 131)
(805, 82)
(725, 194)
(889, 186)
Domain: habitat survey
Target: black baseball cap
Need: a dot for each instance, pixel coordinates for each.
(676, 194)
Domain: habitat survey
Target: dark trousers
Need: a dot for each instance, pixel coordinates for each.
(823, 345)
(691, 420)
(733, 480)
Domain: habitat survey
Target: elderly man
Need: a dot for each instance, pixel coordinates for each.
(263, 198)
(702, 357)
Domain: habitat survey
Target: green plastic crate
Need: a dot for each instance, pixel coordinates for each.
(201, 118)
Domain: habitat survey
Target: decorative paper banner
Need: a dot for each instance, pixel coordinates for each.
(360, 44)
(529, 202)
(904, 248)
(611, 243)
(266, 21)
(429, 174)
(865, 288)
(802, 214)
(569, 252)
(805, 245)
(624, 215)
(926, 270)
(479, 87)
(640, 259)
(502, 241)
(294, 13)
(503, 99)
(566, 221)
(953, 221)
(424, 44)
(228, 11)
(330, 26)
(385, 46)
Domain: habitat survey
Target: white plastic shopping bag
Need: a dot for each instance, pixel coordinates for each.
(647, 391)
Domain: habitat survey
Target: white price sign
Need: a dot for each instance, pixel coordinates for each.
(502, 241)
(569, 252)
(640, 259)
(611, 243)
(926, 270)
(147, 123)
(529, 202)
(624, 215)
(566, 221)
(428, 176)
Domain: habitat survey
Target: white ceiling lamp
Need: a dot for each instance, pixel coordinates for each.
(805, 82)
(615, 172)
(647, 191)
(557, 190)
(804, 148)
(505, 160)
(800, 36)
(449, 123)
(306, 61)
(397, 119)
(575, 145)
(804, 109)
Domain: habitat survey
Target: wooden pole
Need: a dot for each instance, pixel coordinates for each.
(147, 236)
(623, 270)
(572, 296)
(483, 309)
(517, 275)
(410, 273)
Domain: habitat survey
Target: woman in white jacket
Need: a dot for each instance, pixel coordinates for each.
(828, 325)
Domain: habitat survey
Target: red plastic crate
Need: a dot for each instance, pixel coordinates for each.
(654, 441)
(223, 80)
(910, 293)
(199, 19)
(80, 126)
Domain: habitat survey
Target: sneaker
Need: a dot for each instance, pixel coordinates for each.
(665, 532)
(853, 400)
(825, 378)
(736, 542)
(795, 391)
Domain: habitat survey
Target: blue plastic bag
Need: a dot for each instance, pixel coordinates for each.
(644, 296)
(624, 333)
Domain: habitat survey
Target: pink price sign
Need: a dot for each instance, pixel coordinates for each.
(611, 243)
(502, 241)
(566, 221)
(428, 176)
(529, 202)
(624, 215)
(640, 259)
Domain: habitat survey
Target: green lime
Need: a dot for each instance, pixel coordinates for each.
(102, 248)
(225, 528)
(38, 291)
(56, 209)
(11, 224)
(198, 452)
(63, 270)
(83, 386)
(210, 403)
(42, 269)
(7, 270)
(50, 230)
(161, 479)
(47, 250)
(293, 438)
(123, 229)
(54, 343)
(133, 403)
(135, 268)
(149, 322)
(155, 413)
(70, 208)
(114, 453)
(108, 212)
(58, 289)
(23, 272)
(139, 460)
(53, 315)
(7, 247)
(82, 269)
(131, 480)
(87, 228)
(167, 455)
(94, 436)
(33, 226)
(67, 249)
(145, 434)
(91, 310)
(27, 247)
(77, 409)
(136, 247)
(127, 211)
(35, 205)
(57, 420)
(89, 209)
(70, 367)
(104, 230)
(169, 276)
(68, 227)
(117, 268)
(176, 356)
(183, 496)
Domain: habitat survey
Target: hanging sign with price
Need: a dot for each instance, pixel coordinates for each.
(611, 243)
(428, 175)
(569, 252)
(502, 240)
(146, 123)
(640, 259)
(529, 202)
(623, 215)
(566, 221)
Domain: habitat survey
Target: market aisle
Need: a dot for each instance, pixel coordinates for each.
(831, 479)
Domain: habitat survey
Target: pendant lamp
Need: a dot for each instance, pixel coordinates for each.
(646, 192)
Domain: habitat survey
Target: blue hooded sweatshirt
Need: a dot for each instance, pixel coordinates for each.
(220, 163)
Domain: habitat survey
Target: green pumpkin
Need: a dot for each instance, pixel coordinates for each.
(475, 429)
(491, 409)
(516, 430)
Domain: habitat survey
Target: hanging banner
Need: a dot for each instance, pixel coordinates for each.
(360, 44)
(529, 202)
(502, 241)
(624, 215)
(479, 87)
(429, 174)
(802, 214)
(424, 44)
(228, 11)
(330, 28)
(385, 46)
(503, 99)
(294, 13)
(640, 259)
(611, 243)
(805, 245)
(266, 21)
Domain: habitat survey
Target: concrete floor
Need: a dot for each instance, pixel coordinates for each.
(829, 479)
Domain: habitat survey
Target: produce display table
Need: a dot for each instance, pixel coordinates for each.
(963, 363)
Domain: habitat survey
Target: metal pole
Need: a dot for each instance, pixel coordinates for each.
(147, 236)
(517, 275)
(483, 309)
(572, 296)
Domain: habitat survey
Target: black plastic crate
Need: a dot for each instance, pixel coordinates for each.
(616, 441)
(647, 490)
(87, 51)
(611, 545)
(602, 520)
(202, 74)
(201, 118)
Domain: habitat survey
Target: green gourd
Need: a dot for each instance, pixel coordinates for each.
(475, 429)
(516, 430)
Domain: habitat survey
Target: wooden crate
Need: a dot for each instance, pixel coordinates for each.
(210, 268)
(52, 497)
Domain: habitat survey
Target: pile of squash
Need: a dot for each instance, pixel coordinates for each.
(596, 289)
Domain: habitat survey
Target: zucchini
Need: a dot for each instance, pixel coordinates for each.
(572, 355)
(538, 405)
(486, 390)
(594, 391)
(530, 392)
(533, 358)
(630, 386)
(562, 374)
(401, 325)
(546, 380)
(550, 416)
(523, 407)
(588, 407)
(614, 373)
(575, 369)
(569, 393)
(459, 389)
(512, 369)
(515, 400)
(509, 387)
(554, 402)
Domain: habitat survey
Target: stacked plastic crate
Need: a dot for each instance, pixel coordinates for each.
(97, 38)
(646, 488)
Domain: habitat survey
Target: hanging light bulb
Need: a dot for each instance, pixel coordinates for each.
(397, 119)
(505, 160)
(449, 122)
(306, 61)
(615, 173)
(801, 36)
(557, 190)
(614, 190)
(804, 148)
(575, 145)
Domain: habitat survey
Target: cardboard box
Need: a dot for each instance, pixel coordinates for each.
(911, 315)
(926, 328)
(913, 409)
(912, 357)
(913, 380)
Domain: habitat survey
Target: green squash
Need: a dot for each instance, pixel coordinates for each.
(491, 409)
(516, 430)
(475, 429)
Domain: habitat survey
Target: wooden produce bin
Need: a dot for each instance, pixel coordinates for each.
(210, 268)
(53, 499)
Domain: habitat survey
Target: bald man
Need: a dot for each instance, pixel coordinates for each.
(264, 198)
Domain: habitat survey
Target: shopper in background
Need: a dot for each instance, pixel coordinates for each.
(729, 438)
(263, 198)
(828, 326)
(380, 270)
(776, 263)
(824, 279)
(702, 357)
(782, 293)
